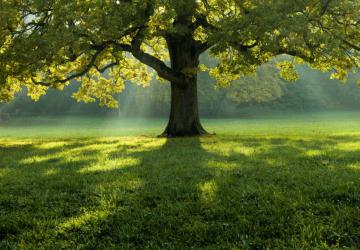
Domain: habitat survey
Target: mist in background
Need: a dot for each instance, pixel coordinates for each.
(266, 94)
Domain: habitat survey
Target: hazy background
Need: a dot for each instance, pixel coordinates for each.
(264, 95)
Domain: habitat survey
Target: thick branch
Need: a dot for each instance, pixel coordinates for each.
(202, 47)
(295, 53)
(159, 66)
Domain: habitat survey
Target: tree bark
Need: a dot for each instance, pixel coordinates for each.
(184, 115)
(1, 111)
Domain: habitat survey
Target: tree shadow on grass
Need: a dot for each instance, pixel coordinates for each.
(216, 192)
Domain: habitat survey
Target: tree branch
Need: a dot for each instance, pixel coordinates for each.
(202, 47)
(73, 76)
(295, 53)
(346, 42)
(108, 66)
(159, 66)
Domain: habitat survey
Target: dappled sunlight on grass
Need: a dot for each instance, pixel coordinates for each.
(223, 165)
(349, 146)
(52, 144)
(77, 222)
(355, 166)
(228, 149)
(109, 165)
(37, 159)
(4, 171)
(148, 145)
(51, 171)
(313, 152)
(208, 191)
(142, 192)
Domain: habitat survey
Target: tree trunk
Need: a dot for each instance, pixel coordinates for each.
(184, 115)
(1, 110)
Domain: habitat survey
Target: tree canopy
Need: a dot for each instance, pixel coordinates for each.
(49, 43)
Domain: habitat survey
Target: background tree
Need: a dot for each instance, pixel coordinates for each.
(313, 92)
(49, 43)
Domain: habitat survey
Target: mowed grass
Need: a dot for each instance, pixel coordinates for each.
(276, 183)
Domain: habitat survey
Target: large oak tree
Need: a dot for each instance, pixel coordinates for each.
(102, 43)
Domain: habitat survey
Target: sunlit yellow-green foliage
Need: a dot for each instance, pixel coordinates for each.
(288, 71)
(48, 43)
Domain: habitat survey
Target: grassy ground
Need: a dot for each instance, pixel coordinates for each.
(287, 183)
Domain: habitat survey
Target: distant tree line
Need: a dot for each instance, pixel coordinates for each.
(264, 93)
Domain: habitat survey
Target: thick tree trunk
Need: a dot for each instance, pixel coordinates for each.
(184, 115)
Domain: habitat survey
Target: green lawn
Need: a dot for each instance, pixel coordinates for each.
(277, 183)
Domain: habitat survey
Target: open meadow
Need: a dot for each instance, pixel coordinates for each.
(79, 170)
(289, 182)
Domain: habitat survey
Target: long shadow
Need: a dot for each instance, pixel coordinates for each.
(217, 192)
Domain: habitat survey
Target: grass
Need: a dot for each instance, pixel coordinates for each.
(276, 183)
(80, 127)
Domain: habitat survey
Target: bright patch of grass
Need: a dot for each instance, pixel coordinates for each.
(76, 127)
(267, 188)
